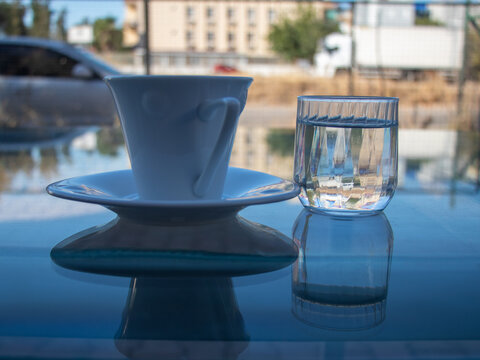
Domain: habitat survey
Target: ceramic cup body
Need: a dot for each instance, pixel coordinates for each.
(179, 131)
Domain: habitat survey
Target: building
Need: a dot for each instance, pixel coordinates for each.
(133, 23)
(403, 13)
(384, 14)
(452, 16)
(80, 34)
(232, 30)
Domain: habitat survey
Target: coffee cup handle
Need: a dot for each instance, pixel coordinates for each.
(205, 111)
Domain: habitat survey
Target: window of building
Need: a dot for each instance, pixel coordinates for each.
(231, 41)
(251, 41)
(231, 15)
(251, 16)
(190, 14)
(210, 41)
(332, 14)
(193, 60)
(179, 60)
(189, 38)
(272, 16)
(210, 13)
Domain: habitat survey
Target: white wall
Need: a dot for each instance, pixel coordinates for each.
(80, 34)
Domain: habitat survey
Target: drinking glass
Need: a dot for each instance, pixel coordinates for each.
(346, 153)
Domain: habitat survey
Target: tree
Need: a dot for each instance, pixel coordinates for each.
(60, 30)
(298, 37)
(106, 37)
(11, 18)
(427, 21)
(41, 18)
(281, 141)
(85, 21)
(473, 59)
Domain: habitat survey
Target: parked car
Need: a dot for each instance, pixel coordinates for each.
(224, 69)
(50, 83)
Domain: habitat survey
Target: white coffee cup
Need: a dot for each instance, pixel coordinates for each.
(179, 131)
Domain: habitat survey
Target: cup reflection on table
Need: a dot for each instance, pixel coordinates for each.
(340, 279)
(181, 318)
(181, 303)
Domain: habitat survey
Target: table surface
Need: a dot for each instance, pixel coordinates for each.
(422, 260)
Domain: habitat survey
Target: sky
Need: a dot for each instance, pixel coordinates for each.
(77, 10)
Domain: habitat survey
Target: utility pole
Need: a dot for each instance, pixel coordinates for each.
(462, 75)
(146, 37)
(351, 72)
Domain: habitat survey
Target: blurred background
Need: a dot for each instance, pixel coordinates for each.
(57, 117)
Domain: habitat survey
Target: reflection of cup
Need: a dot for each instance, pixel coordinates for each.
(188, 318)
(346, 153)
(340, 280)
(179, 131)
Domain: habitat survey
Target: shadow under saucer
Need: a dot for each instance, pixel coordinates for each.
(230, 246)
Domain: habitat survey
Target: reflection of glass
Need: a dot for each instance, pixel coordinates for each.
(281, 141)
(109, 140)
(27, 138)
(340, 279)
(13, 162)
(48, 161)
(30, 158)
(181, 318)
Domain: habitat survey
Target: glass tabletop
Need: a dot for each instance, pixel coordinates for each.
(400, 285)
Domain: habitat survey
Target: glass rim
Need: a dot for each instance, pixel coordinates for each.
(338, 98)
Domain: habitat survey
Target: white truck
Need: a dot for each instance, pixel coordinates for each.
(395, 52)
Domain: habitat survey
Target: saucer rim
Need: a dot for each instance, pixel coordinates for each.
(55, 189)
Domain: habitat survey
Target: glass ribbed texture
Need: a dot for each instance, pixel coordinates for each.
(348, 111)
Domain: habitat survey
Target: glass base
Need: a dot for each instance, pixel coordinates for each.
(339, 317)
(342, 212)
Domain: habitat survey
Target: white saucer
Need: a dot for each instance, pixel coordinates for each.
(116, 191)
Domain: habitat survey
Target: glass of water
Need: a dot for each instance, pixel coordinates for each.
(346, 153)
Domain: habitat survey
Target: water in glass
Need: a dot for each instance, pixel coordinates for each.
(349, 169)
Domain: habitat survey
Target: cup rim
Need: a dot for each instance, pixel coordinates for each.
(198, 77)
(348, 98)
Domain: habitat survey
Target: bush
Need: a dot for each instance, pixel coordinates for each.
(298, 37)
